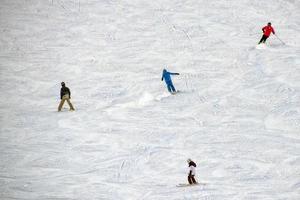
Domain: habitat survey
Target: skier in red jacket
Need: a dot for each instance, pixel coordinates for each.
(267, 32)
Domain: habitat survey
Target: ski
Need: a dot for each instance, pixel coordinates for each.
(189, 185)
(173, 93)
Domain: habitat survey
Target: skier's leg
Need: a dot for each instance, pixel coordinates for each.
(61, 104)
(173, 88)
(261, 40)
(169, 87)
(193, 180)
(189, 180)
(70, 104)
(265, 39)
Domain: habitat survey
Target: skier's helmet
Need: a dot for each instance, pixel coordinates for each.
(188, 160)
(63, 84)
(269, 24)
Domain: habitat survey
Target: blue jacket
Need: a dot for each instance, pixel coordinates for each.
(167, 76)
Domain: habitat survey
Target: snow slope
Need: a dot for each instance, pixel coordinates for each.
(237, 115)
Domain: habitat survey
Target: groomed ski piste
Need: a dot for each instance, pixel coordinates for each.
(237, 115)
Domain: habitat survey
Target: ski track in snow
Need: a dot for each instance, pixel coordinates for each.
(237, 114)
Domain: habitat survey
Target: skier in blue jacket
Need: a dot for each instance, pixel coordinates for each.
(167, 77)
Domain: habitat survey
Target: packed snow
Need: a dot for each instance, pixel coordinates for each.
(237, 114)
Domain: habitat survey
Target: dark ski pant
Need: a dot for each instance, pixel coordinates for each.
(263, 39)
(170, 87)
(191, 179)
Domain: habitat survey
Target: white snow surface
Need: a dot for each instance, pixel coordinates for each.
(237, 115)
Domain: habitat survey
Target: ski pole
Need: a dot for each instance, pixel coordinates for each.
(279, 39)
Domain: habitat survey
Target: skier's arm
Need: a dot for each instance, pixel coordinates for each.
(162, 78)
(69, 93)
(273, 31)
(190, 173)
(61, 94)
(174, 73)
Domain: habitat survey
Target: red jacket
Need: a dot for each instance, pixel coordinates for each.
(268, 30)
